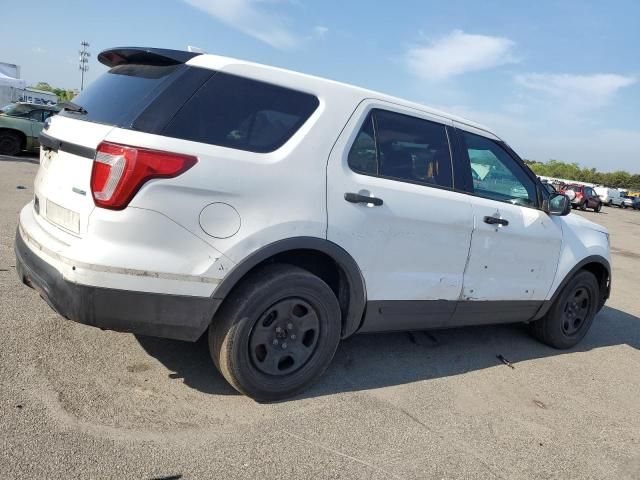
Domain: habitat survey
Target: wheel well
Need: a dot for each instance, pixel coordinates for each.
(322, 266)
(23, 137)
(339, 272)
(602, 275)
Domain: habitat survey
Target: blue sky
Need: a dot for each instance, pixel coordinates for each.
(555, 79)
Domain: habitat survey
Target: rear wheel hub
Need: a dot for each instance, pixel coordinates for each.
(284, 337)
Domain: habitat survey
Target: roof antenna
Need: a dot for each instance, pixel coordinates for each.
(192, 49)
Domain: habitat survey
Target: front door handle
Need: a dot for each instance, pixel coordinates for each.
(496, 221)
(357, 198)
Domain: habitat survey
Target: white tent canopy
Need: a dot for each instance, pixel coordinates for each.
(7, 81)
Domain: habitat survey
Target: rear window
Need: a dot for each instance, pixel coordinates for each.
(240, 113)
(118, 96)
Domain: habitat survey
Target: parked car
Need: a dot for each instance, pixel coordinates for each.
(20, 125)
(631, 202)
(185, 194)
(583, 197)
(609, 196)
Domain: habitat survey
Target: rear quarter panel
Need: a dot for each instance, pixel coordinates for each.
(277, 195)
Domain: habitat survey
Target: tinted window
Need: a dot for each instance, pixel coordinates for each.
(240, 113)
(402, 147)
(36, 115)
(363, 157)
(118, 96)
(496, 174)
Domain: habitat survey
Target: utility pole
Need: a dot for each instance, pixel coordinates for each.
(84, 61)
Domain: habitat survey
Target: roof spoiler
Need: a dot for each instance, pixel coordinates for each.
(144, 56)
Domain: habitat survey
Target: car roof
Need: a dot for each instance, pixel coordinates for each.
(306, 81)
(37, 106)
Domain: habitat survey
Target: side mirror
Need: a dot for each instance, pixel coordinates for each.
(558, 204)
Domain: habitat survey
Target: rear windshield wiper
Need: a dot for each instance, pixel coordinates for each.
(73, 107)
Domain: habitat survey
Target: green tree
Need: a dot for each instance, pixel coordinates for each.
(62, 94)
(573, 171)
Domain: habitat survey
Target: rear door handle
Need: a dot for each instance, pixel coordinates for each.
(496, 221)
(357, 198)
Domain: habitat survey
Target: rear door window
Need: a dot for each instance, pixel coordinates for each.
(402, 147)
(237, 112)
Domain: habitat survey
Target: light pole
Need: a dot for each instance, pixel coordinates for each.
(84, 61)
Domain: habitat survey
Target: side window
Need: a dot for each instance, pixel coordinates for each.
(402, 147)
(36, 115)
(363, 156)
(241, 113)
(496, 175)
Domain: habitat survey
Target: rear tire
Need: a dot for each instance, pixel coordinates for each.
(571, 314)
(583, 206)
(276, 332)
(10, 143)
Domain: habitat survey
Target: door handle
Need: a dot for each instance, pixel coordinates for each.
(496, 221)
(357, 198)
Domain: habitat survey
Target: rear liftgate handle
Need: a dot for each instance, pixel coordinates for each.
(496, 221)
(357, 198)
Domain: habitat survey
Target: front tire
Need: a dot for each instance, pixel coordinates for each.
(10, 143)
(571, 314)
(276, 332)
(598, 208)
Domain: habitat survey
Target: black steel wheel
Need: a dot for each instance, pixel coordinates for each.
(576, 310)
(276, 332)
(571, 314)
(284, 337)
(10, 143)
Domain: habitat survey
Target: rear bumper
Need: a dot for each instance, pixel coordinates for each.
(178, 317)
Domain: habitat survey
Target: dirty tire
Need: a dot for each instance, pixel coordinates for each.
(571, 314)
(10, 143)
(276, 332)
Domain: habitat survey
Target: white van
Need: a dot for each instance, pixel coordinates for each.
(609, 196)
(185, 193)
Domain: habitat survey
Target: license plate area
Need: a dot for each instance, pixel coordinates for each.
(63, 217)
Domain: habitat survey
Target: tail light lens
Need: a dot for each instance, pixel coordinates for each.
(119, 171)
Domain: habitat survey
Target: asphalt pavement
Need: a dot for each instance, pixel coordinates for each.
(78, 402)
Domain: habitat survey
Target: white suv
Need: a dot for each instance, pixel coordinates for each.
(183, 193)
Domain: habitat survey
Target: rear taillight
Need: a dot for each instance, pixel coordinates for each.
(119, 171)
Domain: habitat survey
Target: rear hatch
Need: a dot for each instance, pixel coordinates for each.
(141, 96)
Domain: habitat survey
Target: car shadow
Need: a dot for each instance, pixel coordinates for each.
(370, 361)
